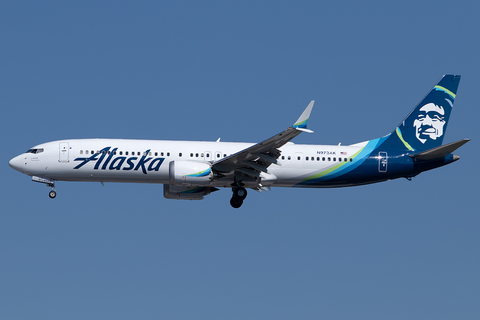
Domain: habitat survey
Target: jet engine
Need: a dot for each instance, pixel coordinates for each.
(190, 173)
(186, 193)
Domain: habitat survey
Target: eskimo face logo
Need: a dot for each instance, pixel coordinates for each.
(429, 123)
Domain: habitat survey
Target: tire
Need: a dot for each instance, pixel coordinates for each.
(240, 193)
(236, 202)
(52, 194)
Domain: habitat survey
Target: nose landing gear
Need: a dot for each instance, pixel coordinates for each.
(52, 194)
(239, 194)
(49, 182)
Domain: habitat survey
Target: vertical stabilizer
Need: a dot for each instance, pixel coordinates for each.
(425, 127)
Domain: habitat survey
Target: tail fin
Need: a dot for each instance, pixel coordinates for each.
(425, 127)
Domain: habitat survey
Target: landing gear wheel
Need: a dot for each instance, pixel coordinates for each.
(240, 193)
(236, 202)
(52, 194)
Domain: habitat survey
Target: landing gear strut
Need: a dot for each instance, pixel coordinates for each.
(52, 194)
(49, 182)
(239, 194)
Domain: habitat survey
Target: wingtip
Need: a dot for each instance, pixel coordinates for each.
(302, 121)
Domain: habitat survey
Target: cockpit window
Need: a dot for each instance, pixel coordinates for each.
(35, 151)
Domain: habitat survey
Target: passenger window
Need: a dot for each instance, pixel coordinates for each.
(283, 157)
(351, 159)
(191, 155)
(298, 158)
(180, 154)
(345, 159)
(81, 151)
(306, 158)
(156, 154)
(196, 155)
(168, 154)
(334, 159)
(224, 155)
(218, 155)
(329, 159)
(289, 158)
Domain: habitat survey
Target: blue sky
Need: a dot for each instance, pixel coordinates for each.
(241, 72)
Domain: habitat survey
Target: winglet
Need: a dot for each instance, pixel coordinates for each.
(301, 123)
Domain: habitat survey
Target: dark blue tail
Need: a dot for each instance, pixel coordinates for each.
(425, 127)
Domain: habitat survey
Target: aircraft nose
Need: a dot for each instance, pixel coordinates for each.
(17, 163)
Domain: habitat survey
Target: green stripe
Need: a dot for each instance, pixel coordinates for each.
(300, 123)
(399, 134)
(197, 173)
(447, 91)
(324, 173)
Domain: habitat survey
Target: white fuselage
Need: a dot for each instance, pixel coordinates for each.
(128, 160)
(190, 170)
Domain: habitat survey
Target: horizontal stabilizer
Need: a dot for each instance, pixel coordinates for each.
(439, 152)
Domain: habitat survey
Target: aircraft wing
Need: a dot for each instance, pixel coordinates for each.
(257, 158)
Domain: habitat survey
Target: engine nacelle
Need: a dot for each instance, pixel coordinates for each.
(186, 193)
(190, 173)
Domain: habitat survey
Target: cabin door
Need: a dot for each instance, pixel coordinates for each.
(382, 162)
(63, 156)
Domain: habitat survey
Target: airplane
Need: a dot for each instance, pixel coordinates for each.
(190, 170)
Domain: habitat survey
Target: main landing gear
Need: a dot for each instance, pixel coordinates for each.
(239, 194)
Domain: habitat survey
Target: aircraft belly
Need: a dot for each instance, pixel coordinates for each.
(61, 173)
